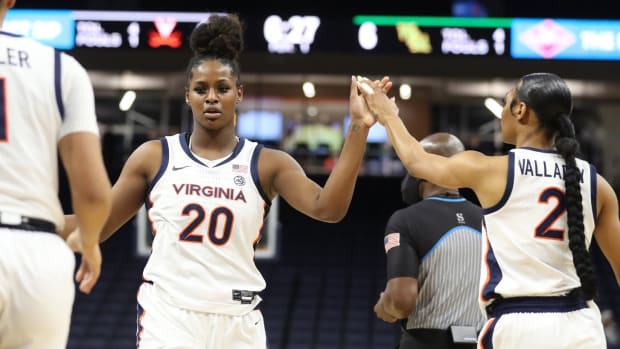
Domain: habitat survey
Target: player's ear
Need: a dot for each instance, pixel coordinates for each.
(239, 94)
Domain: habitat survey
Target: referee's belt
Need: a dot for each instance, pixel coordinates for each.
(17, 221)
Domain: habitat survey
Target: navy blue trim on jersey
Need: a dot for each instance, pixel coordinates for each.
(445, 199)
(509, 184)
(139, 313)
(593, 181)
(255, 177)
(10, 34)
(446, 235)
(165, 158)
(495, 274)
(487, 339)
(185, 146)
(235, 152)
(57, 83)
(183, 139)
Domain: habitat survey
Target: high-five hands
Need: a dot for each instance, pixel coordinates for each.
(358, 107)
(375, 95)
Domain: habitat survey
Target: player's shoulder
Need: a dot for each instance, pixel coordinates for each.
(149, 149)
(19, 42)
(273, 155)
(70, 63)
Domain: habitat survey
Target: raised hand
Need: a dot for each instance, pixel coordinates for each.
(357, 104)
(375, 95)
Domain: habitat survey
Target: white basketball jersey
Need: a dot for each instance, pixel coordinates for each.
(525, 236)
(206, 219)
(44, 95)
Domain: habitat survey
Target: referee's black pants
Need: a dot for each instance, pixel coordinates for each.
(430, 339)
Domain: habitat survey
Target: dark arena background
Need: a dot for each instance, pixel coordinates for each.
(450, 61)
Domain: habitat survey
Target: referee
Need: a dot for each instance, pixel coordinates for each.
(433, 249)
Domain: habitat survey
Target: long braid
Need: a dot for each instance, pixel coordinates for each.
(567, 145)
(549, 96)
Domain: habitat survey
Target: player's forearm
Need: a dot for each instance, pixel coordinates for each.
(406, 146)
(91, 213)
(337, 193)
(71, 224)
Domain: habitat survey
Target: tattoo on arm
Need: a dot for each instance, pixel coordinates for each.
(355, 128)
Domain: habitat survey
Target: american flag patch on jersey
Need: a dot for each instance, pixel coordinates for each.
(391, 240)
(240, 168)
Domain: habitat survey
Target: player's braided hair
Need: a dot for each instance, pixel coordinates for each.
(219, 38)
(548, 95)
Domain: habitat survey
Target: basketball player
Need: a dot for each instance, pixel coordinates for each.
(47, 108)
(542, 205)
(433, 249)
(207, 193)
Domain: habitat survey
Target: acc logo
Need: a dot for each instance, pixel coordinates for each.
(239, 180)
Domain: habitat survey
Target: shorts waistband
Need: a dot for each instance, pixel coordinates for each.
(243, 296)
(17, 221)
(559, 304)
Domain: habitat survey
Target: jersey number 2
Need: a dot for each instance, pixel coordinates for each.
(545, 229)
(188, 234)
(3, 126)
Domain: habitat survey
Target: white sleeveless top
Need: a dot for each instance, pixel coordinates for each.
(206, 221)
(44, 95)
(525, 236)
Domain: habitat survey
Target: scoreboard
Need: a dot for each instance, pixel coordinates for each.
(508, 38)
(434, 35)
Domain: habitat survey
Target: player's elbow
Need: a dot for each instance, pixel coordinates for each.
(328, 215)
(95, 198)
(334, 218)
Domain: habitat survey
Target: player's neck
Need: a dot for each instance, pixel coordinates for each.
(438, 191)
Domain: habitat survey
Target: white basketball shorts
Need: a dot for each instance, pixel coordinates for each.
(36, 290)
(577, 329)
(162, 325)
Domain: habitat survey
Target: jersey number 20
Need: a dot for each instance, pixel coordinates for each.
(221, 215)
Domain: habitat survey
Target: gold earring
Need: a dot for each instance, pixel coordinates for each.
(235, 119)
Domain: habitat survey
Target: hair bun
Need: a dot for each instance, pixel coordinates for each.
(219, 35)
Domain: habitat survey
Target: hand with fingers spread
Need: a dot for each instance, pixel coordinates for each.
(357, 106)
(357, 102)
(375, 95)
